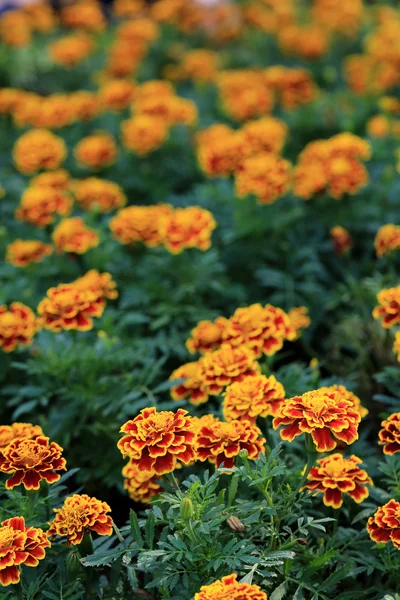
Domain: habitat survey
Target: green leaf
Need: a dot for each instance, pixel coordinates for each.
(149, 529)
(135, 528)
(279, 592)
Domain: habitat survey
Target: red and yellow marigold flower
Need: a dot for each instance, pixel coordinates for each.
(78, 515)
(244, 94)
(68, 307)
(221, 442)
(22, 253)
(267, 134)
(144, 134)
(169, 108)
(387, 239)
(141, 486)
(265, 175)
(230, 589)
(72, 235)
(220, 150)
(253, 397)
(84, 105)
(192, 388)
(184, 228)
(23, 431)
(341, 240)
(389, 435)
(335, 476)
(207, 336)
(226, 366)
(299, 320)
(384, 525)
(101, 284)
(70, 50)
(18, 325)
(292, 87)
(326, 415)
(38, 149)
(117, 94)
(19, 545)
(96, 151)
(94, 193)
(156, 442)
(40, 205)
(139, 224)
(388, 310)
(30, 461)
(343, 393)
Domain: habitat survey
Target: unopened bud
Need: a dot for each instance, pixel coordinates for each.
(73, 564)
(243, 453)
(302, 541)
(186, 509)
(235, 524)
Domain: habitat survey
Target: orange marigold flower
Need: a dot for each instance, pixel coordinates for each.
(228, 587)
(22, 253)
(335, 476)
(389, 435)
(96, 151)
(101, 284)
(345, 394)
(253, 397)
(244, 94)
(141, 29)
(379, 126)
(15, 28)
(326, 415)
(40, 205)
(70, 50)
(220, 150)
(117, 94)
(38, 149)
(72, 235)
(299, 320)
(18, 325)
(26, 431)
(200, 65)
(19, 545)
(221, 442)
(226, 366)
(207, 336)
(384, 525)
(293, 87)
(265, 175)
(341, 240)
(267, 134)
(59, 180)
(99, 194)
(184, 228)
(84, 105)
(309, 42)
(85, 15)
(389, 310)
(30, 461)
(69, 307)
(141, 486)
(144, 134)
(387, 239)
(156, 441)
(78, 515)
(192, 387)
(139, 224)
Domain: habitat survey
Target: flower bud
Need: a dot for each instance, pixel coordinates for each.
(243, 453)
(73, 564)
(186, 509)
(235, 524)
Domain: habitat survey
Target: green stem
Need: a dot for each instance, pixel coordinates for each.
(311, 458)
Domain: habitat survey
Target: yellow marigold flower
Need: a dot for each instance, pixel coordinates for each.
(309, 42)
(72, 235)
(389, 310)
(55, 111)
(84, 105)
(168, 107)
(117, 94)
(19, 545)
(192, 387)
(84, 15)
(70, 50)
(267, 134)
(41, 16)
(189, 227)
(344, 18)
(244, 94)
(229, 587)
(253, 397)
(220, 150)
(154, 88)
(293, 87)
(156, 441)
(38, 149)
(99, 194)
(387, 239)
(15, 28)
(78, 515)
(59, 180)
(345, 394)
(299, 319)
(326, 415)
(335, 475)
(200, 65)
(96, 151)
(266, 176)
(22, 253)
(141, 29)
(69, 307)
(226, 366)
(40, 205)
(100, 284)
(341, 240)
(384, 525)
(144, 134)
(379, 126)
(141, 486)
(23, 431)
(207, 336)
(139, 224)
(31, 460)
(18, 325)
(124, 58)
(389, 435)
(221, 442)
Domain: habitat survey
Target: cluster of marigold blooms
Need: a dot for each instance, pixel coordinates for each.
(30, 458)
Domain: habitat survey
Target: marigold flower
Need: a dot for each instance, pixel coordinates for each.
(42, 17)
(19, 545)
(308, 42)
(244, 94)
(26, 431)
(72, 235)
(387, 239)
(265, 175)
(78, 515)
(335, 476)
(389, 310)
(85, 15)
(253, 397)
(389, 435)
(84, 105)
(96, 151)
(226, 366)
(200, 65)
(22, 253)
(144, 134)
(142, 29)
(299, 320)
(18, 325)
(70, 50)
(38, 149)
(293, 87)
(15, 28)
(384, 525)
(40, 205)
(192, 387)
(101, 284)
(229, 587)
(343, 393)
(207, 336)
(326, 415)
(379, 126)
(60, 180)
(267, 134)
(141, 486)
(69, 307)
(184, 228)
(220, 150)
(221, 442)
(139, 224)
(30, 461)
(95, 193)
(157, 441)
(344, 19)
(341, 240)
(117, 94)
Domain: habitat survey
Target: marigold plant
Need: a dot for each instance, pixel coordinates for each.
(72, 235)
(207, 336)
(384, 525)
(23, 431)
(94, 193)
(38, 149)
(40, 205)
(389, 435)
(96, 151)
(341, 240)
(192, 387)
(70, 50)
(143, 134)
(141, 486)
(22, 253)
(253, 397)
(388, 310)
(229, 587)
(68, 306)
(139, 224)
(18, 326)
(226, 366)
(81, 514)
(266, 176)
(387, 239)
(184, 228)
